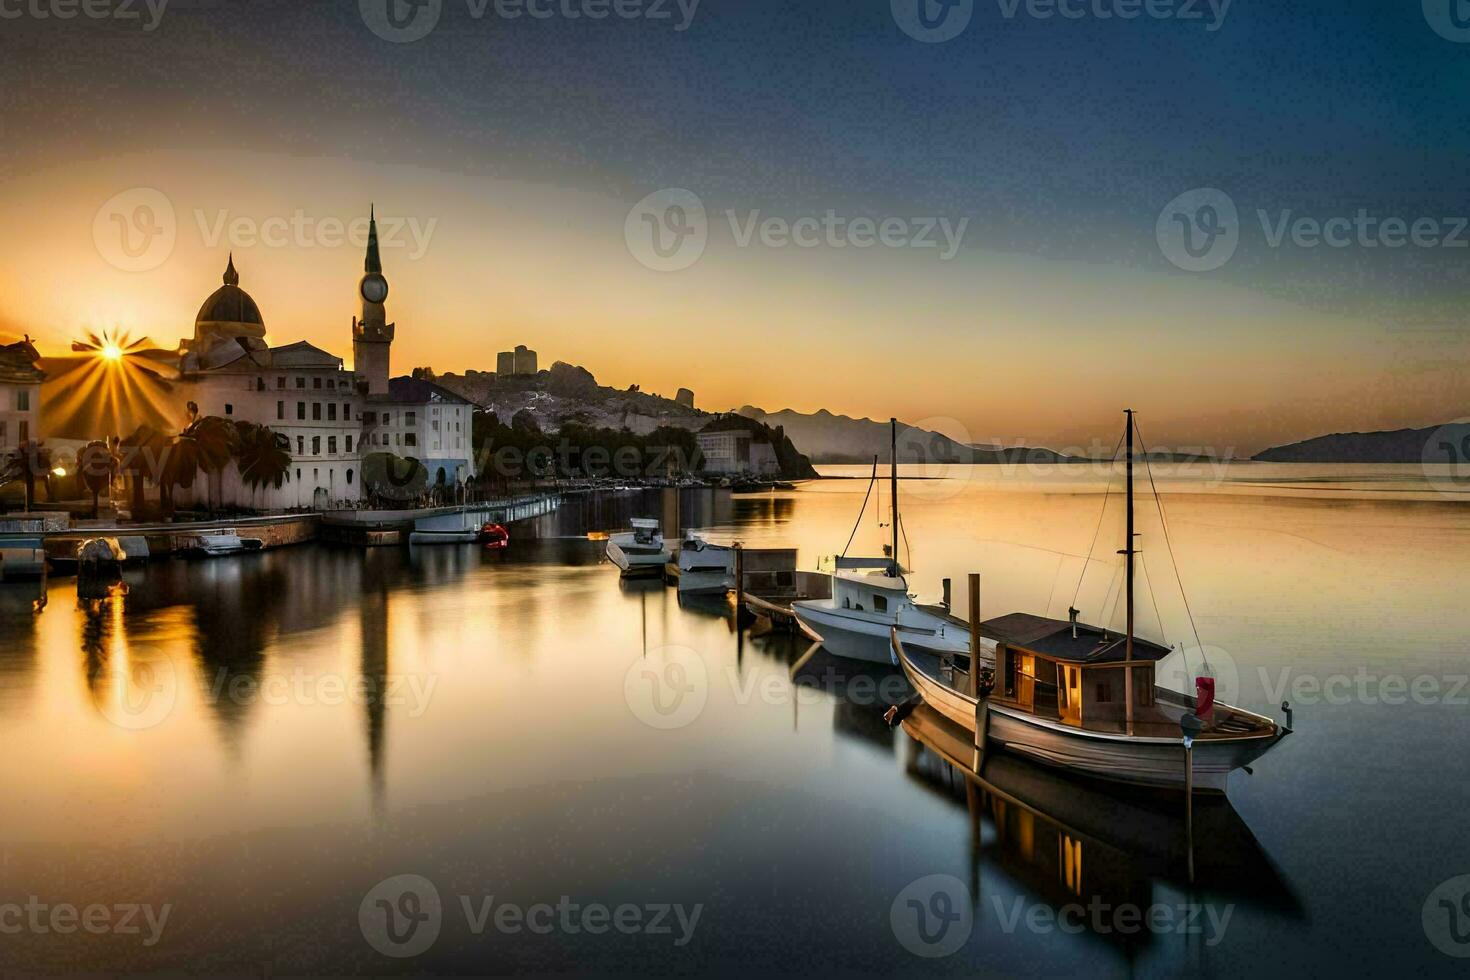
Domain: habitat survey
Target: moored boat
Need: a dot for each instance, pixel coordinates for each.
(705, 568)
(640, 551)
(1083, 698)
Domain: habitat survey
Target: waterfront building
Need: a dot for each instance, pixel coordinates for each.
(332, 416)
(732, 450)
(20, 394)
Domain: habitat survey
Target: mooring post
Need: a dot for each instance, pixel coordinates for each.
(974, 634)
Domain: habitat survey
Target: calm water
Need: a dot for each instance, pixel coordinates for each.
(258, 742)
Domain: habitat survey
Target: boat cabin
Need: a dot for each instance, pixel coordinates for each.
(873, 585)
(645, 533)
(1074, 673)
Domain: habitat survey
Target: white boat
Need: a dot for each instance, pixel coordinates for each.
(213, 544)
(870, 598)
(705, 568)
(22, 557)
(640, 551)
(1083, 698)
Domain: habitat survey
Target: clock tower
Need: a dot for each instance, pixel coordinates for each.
(372, 335)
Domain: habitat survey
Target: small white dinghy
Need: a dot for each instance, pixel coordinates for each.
(705, 568)
(640, 551)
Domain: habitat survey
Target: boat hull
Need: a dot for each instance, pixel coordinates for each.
(443, 537)
(1136, 760)
(852, 636)
(637, 563)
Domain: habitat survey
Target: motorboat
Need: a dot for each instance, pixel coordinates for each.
(1083, 698)
(870, 598)
(215, 544)
(640, 551)
(705, 568)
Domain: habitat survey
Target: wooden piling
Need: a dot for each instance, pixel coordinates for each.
(974, 683)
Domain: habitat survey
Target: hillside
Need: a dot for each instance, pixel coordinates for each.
(1395, 446)
(828, 438)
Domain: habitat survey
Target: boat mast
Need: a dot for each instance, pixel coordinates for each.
(1128, 552)
(893, 479)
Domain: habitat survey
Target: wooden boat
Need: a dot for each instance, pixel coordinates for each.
(640, 551)
(705, 568)
(1083, 698)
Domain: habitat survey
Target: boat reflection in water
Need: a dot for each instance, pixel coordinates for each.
(1073, 843)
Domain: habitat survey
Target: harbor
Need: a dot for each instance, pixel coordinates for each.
(248, 687)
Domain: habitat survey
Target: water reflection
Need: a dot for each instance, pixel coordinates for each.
(1073, 843)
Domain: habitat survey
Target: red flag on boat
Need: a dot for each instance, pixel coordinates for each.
(1204, 696)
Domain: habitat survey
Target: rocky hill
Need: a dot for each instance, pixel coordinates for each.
(828, 438)
(1394, 446)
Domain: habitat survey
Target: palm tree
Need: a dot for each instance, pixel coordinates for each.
(263, 455)
(144, 456)
(27, 462)
(96, 465)
(207, 444)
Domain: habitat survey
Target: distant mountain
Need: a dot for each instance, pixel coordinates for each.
(1396, 446)
(828, 438)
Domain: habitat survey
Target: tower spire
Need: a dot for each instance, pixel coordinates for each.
(373, 263)
(232, 278)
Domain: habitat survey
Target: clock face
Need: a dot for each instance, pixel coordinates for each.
(374, 288)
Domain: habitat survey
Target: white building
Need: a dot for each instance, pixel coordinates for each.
(736, 451)
(332, 417)
(20, 394)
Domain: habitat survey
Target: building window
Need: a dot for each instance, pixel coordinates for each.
(331, 411)
(301, 382)
(316, 382)
(408, 418)
(300, 451)
(349, 444)
(22, 401)
(260, 384)
(331, 445)
(316, 447)
(23, 431)
(298, 474)
(369, 418)
(229, 409)
(316, 411)
(301, 410)
(349, 472)
(346, 412)
(280, 410)
(409, 439)
(280, 381)
(331, 383)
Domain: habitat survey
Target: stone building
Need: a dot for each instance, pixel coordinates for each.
(20, 394)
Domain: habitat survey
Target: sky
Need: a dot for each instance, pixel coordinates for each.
(1005, 219)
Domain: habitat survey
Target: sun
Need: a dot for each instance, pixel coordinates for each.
(111, 352)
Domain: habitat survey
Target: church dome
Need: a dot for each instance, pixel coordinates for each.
(231, 305)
